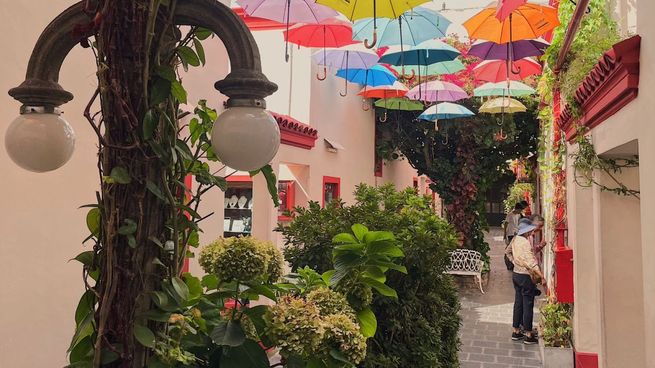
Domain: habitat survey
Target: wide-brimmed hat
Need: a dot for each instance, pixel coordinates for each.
(525, 227)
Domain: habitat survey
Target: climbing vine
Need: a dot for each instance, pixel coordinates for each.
(586, 163)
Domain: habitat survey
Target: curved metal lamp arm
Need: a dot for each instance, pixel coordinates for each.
(246, 85)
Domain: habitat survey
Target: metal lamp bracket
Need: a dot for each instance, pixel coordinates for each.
(246, 85)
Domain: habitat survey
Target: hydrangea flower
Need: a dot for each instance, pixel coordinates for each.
(295, 326)
(344, 335)
(331, 302)
(243, 259)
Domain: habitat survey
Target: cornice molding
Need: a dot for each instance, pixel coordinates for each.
(295, 133)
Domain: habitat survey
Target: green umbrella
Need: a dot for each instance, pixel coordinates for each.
(398, 103)
(444, 67)
(500, 89)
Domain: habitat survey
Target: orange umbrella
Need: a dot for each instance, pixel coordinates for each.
(526, 22)
(396, 90)
(496, 70)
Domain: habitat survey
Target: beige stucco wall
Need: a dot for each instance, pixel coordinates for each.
(623, 232)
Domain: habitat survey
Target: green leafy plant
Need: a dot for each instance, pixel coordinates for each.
(517, 194)
(420, 327)
(586, 163)
(556, 324)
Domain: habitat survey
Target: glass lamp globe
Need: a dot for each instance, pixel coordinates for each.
(245, 138)
(40, 141)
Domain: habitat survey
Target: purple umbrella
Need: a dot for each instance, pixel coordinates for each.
(520, 49)
(346, 59)
(288, 11)
(434, 91)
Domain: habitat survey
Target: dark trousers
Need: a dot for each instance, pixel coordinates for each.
(526, 290)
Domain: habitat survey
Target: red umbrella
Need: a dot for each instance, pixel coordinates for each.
(505, 7)
(497, 70)
(396, 90)
(329, 33)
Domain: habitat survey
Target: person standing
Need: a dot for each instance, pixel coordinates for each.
(525, 275)
(537, 239)
(511, 227)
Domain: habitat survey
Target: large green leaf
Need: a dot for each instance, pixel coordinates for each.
(85, 306)
(271, 182)
(144, 336)
(359, 230)
(344, 238)
(149, 124)
(93, 221)
(210, 282)
(249, 354)
(228, 333)
(338, 356)
(85, 258)
(375, 273)
(389, 265)
(180, 288)
(120, 175)
(188, 56)
(178, 91)
(193, 285)
(83, 351)
(199, 50)
(385, 248)
(380, 287)
(368, 323)
(160, 89)
(376, 236)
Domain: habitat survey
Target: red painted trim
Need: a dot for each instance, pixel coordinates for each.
(294, 133)
(331, 180)
(610, 86)
(564, 290)
(239, 179)
(290, 200)
(586, 360)
(259, 24)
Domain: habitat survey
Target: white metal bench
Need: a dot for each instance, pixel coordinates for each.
(466, 262)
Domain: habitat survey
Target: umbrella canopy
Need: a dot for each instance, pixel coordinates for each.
(331, 33)
(358, 9)
(445, 110)
(526, 22)
(502, 105)
(505, 7)
(426, 53)
(500, 89)
(444, 67)
(396, 90)
(411, 28)
(373, 77)
(437, 91)
(287, 11)
(399, 104)
(496, 70)
(346, 59)
(520, 49)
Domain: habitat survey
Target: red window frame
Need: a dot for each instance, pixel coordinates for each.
(289, 199)
(331, 180)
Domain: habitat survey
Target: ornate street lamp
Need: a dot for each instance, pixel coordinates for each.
(245, 136)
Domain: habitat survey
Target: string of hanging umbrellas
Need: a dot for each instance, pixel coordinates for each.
(407, 37)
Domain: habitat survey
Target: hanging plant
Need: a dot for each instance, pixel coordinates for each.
(586, 162)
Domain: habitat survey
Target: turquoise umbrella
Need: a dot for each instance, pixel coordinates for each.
(501, 89)
(444, 67)
(411, 28)
(445, 111)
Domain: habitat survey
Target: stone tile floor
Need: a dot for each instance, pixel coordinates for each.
(487, 320)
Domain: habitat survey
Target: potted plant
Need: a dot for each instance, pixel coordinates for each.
(556, 331)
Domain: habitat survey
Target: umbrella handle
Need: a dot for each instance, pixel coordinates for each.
(445, 141)
(517, 70)
(344, 94)
(365, 105)
(375, 40)
(318, 76)
(384, 120)
(409, 77)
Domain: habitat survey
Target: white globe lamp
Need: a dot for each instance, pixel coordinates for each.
(245, 138)
(40, 140)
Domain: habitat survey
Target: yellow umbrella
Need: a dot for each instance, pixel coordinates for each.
(502, 105)
(358, 9)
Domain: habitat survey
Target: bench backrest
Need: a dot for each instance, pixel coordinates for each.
(465, 260)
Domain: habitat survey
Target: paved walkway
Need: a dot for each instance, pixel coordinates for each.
(487, 320)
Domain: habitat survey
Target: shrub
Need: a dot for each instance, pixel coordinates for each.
(556, 324)
(420, 328)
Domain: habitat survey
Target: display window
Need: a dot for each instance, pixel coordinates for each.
(331, 189)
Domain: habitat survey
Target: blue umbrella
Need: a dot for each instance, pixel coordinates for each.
(411, 28)
(375, 76)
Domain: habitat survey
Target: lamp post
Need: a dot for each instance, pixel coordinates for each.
(144, 210)
(246, 137)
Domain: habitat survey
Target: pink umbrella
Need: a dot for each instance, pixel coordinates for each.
(505, 7)
(288, 11)
(497, 70)
(434, 91)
